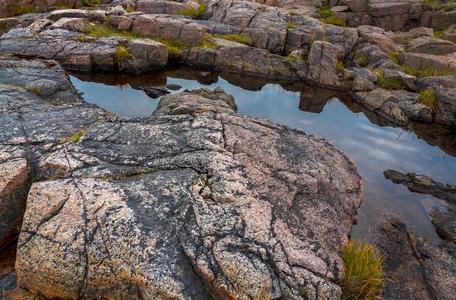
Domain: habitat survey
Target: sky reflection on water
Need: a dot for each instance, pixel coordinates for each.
(374, 148)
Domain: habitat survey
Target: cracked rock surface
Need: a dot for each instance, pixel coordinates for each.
(193, 205)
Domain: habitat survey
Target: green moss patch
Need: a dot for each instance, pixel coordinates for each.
(194, 13)
(239, 38)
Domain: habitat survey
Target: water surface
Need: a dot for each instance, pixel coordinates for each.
(371, 142)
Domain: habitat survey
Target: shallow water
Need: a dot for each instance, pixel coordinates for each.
(373, 144)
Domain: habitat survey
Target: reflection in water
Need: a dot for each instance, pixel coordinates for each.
(369, 140)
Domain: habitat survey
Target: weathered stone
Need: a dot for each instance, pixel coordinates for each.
(149, 55)
(388, 9)
(323, 58)
(395, 106)
(14, 183)
(428, 61)
(364, 80)
(190, 33)
(377, 36)
(446, 106)
(160, 6)
(414, 268)
(429, 45)
(423, 184)
(73, 24)
(199, 101)
(189, 195)
(436, 81)
(118, 10)
(357, 5)
(267, 26)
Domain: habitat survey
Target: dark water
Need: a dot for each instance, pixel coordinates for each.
(371, 142)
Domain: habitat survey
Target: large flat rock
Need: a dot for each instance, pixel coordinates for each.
(193, 205)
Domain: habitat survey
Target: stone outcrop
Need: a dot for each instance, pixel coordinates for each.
(423, 184)
(197, 203)
(39, 108)
(415, 269)
(396, 15)
(14, 181)
(323, 58)
(75, 51)
(396, 106)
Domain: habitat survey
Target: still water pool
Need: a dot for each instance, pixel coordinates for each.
(372, 143)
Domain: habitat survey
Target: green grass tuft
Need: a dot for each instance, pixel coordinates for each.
(363, 276)
(291, 59)
(325, 12)
(428, 97)
(291, 25)
(340, 67)
(362, 60)
(101, 30)
(20, 10)
(426, 72)
(76, 137)
(239, 38)
(129, 9)
(335, 20)
(34, 89)
(123, 54)
(91, 2)
(393, 83)
(194, 13)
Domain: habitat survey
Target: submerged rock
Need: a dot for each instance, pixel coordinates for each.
(202, 203)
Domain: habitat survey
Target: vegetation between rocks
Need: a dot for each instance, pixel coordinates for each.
(392, 83)
(102, 30)
(239, 38)
(426, 72)
(122, 54)
(362, 60)
(363, 276)
(17, 10)
(428, 97)
(175, 47)
(291, 25)
(76, 137)
(91, 2)
(194, 13)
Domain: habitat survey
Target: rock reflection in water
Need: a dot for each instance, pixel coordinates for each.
(371, 141)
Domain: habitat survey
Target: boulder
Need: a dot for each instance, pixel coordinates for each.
(395, 106)
(414, 268)
(419, 183)
(322, 64)
(436, 81)
(428, 61)
(357, 5)
(73, 24)
(388, 9)
(446, 106)
(429, 45)
(40, 107)
(184, 30)
(149, 55)
(377, 36)
(364, 80)
(14, 184)
(189, 206)
(199, 101)
(160, 6)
